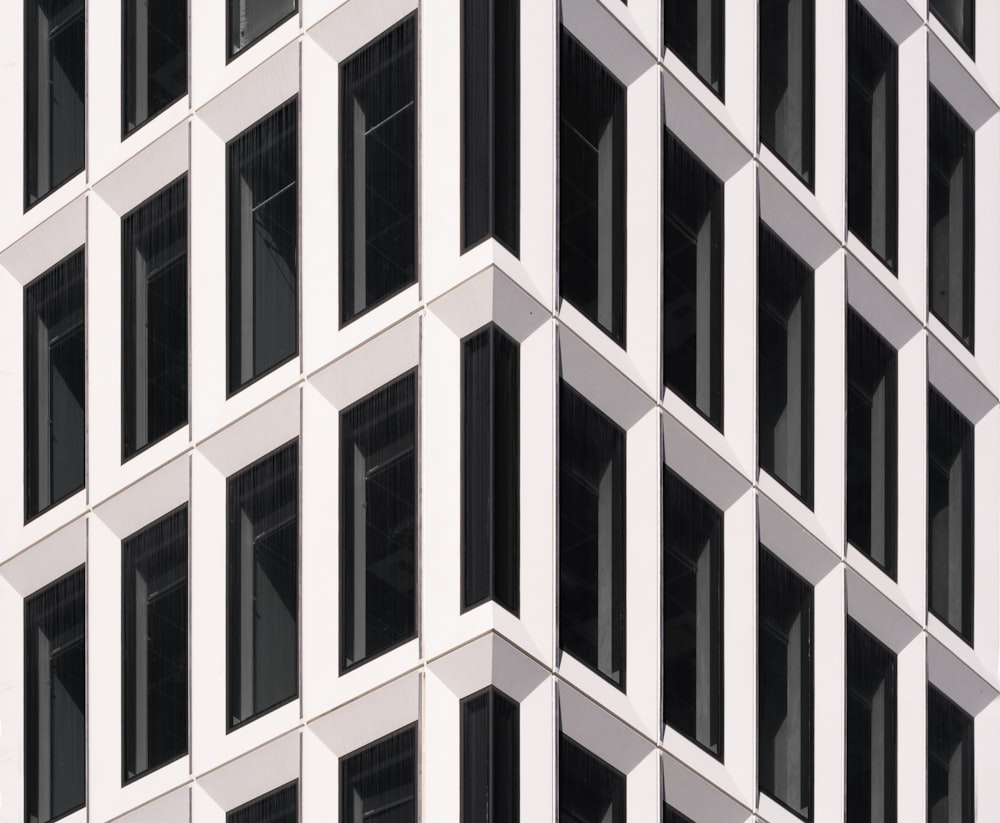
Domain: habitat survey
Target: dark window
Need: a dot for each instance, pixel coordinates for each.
(951, 215)
(262, 593)
(378, 170)
(590, 790)
(490, 758)
(694, 30)
(491, 521)
(591, 536)
(785, 365)
(54, 93)
(591, 188)
(155, 318)
(154, 58)
(263, 246)
(871, 134)
(692, 280)
(378, 494)
(491, 117)
(54, 385)
(871, 443)
(785, 685)
(950, 776)
(279, 806)
(249, 20)
(155, 644)
(958, 17)
(692, 614)
(950, 483)
(673, 816)
(871, 729)
(55, 696)
(378, 784)
(787, 95)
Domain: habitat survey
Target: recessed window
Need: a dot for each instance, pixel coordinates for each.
(55, 699)
(263, 227)
(262, 587)
(591, 503)
(379, 782)
(695, 30)
(673, 816)
(491, 122)
(378, 496)
(590, 790)
(950, 494)
(491, 742)
(787, 78)
(155, 645)
(591, 188)
(491, 522)
(54, 385)
(378, 171)
(54, 94)
(692, 280)
(872, 155)
(959, 18)
(279, 806)
(950, 761)
(785, 365)
(785, 685)
(249, 20)
(154, 58)
(155, 318)
(692, 614)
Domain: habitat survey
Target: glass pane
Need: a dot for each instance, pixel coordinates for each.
(280, 806)
(694, 30)
(154, 70)
(958, 17)
(950, 766)
(378, 784)
(490, 789)
(249, 20)
(590, 790)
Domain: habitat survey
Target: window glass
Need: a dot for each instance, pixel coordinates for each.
(590, 790)
(490, 789)
(279, 806)
(249, 20)
(958, 17)
(694, 30)
(673, 816)
(378, 784)
(950, 752)
(154, 58)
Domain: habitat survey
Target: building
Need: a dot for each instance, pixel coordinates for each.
(478, 410)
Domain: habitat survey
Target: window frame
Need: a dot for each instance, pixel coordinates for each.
(247, 812)
(126, 42)
(496, 703)
(408, 733)
(231, 52)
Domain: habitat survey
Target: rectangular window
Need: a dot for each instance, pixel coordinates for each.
(491, 122)
(247, 21)
(950, 491)
(871, 134)
(590, 790)
(673, 816)
(871, 729)
(692, 614)
(958, 17)
(154, 58)
(695, 30)
(491, 519)
(54, 385)
(692, 280)
(279, 806)
(155, 645)
(785, 366)
(950, 775)
(785, 685)
(378, 496)
(591, 536)
(54, 94)
(871, 443)
(787, 93)
(55, 700)
(591, 188)
(491, 741)
(262, 587)
(951, 219)
(155, 318)
(379, 782)
(378, 171)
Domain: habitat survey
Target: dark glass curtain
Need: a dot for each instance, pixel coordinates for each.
(279, 806)
(872, 158)
(950, 761)
(692, 614)
(263, 585)
(692, 279)
(490, 734)
(154, 58)
(378, 784)
(591, 188)
(378, 170)
(785, 685)
(950, 507)
(673, 816)
(951, 218)
(154, 318)
(55, 692)
(959, 18)
(54, 385)
(491, 520)
(249, 20)
(378, 494)
(590, 790)
(263, 228)
(695, 30)
(591, 536)
(155, 644)
(491, 122)
(785, 365)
